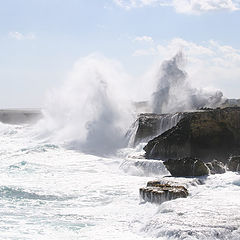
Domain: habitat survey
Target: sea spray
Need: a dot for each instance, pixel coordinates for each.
(93, 110)
(90, 111)
(174, 91)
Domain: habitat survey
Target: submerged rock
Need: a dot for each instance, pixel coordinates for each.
(234, 164)
(155, 192)
(216, 167)
(186, 167)
(210, 134)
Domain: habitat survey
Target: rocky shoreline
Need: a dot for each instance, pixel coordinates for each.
(201, 143)
(209, 134)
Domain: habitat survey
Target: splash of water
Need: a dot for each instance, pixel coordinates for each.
(174, 92)
(90, 112)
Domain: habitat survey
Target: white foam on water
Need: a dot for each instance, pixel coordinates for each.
(54, 185)
(48, 192)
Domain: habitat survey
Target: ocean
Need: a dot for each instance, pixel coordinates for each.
(74, 174)
(50, 191)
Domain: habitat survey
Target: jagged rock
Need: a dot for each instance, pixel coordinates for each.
(234, 164)
(159, 193)
(216, 167)
(186, 167)
(210, 134)
(149, 125)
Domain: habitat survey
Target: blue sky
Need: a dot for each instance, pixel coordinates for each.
(40, 40)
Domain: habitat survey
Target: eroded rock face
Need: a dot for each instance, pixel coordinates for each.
(186, 167)
(234, 164)
(216, 167)
(159, 193)
(150, 125)
(208, 135)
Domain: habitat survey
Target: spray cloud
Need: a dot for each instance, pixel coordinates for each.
(174, 92)
(90, 112)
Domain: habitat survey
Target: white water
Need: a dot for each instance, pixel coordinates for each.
(50, 188)
(48, 192)
(91, 110)
(175, 93)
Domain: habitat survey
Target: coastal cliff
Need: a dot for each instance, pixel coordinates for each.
(208, 134)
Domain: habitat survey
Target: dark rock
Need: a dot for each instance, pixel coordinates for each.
(186, 167)
(149, 125)
(234, 164)
(159, 193)
(216, 167)
(211, 134)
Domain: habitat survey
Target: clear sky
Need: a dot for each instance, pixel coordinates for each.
(40, 40)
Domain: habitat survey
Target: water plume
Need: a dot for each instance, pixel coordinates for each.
(174, 92)
(90, 112)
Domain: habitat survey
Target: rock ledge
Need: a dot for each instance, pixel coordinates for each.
(155, 192)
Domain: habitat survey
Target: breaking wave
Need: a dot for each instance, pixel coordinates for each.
(90, 112)
(93, 109)
(174, 92)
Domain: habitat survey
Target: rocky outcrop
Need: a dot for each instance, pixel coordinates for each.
(216, 167)
(186, 167)
(149, 125)
(234, 164)
(207, 135)
(155, 192)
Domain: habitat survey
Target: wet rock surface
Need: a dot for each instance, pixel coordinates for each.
(155, 192)
(216, 167)
(234, 164)
(186, 167)
(209, 134)
(150, 125)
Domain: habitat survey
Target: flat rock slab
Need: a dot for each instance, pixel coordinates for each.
(156, 192)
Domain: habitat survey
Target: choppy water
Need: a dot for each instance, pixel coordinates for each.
(48, 192)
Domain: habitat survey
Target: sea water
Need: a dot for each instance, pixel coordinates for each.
(50, 192)
(70, 177)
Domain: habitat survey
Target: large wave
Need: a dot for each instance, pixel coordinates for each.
(90, 111)
(93, 109)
